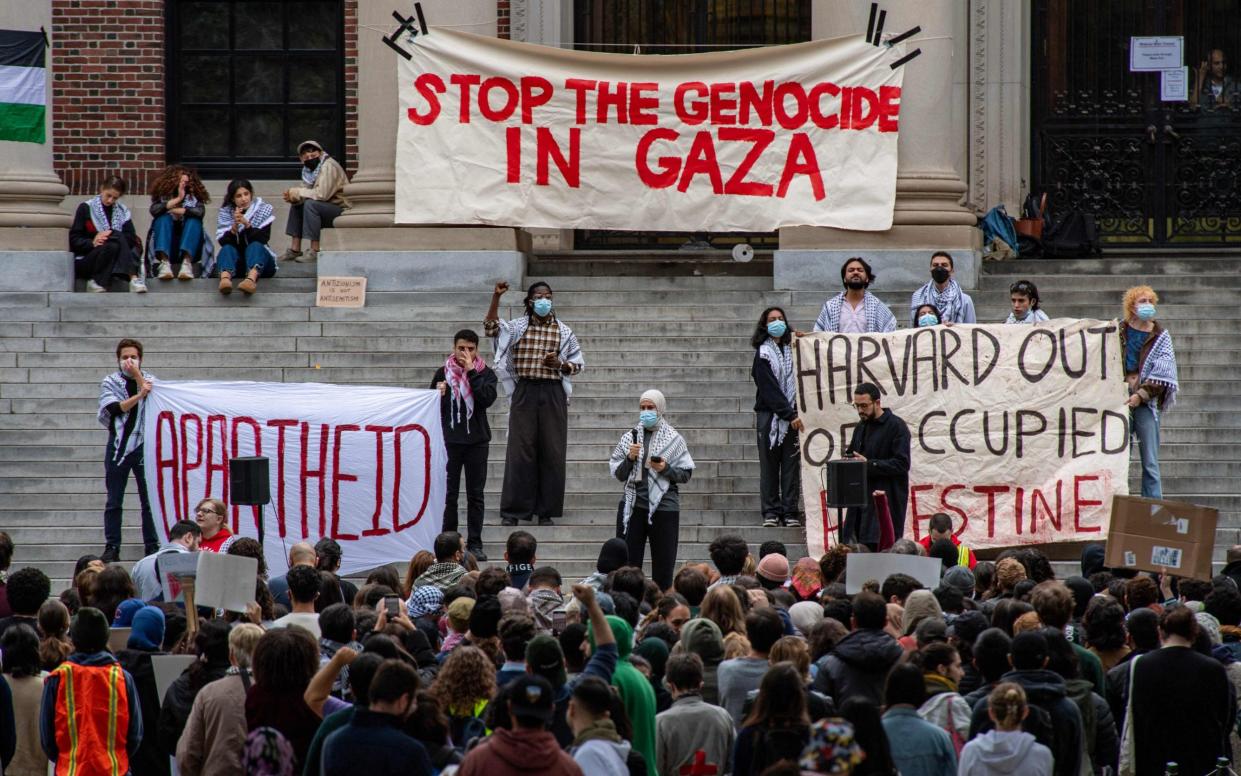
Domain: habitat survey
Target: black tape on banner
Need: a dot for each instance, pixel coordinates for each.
(906, 58)
(906, 35)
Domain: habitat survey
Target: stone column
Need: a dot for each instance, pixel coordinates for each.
(999, 103)
(930, 185)
(34, 235)
(366, 240)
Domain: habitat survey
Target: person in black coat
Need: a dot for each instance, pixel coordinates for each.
(776, 421)
(103, 240)
(882, 441)
(467, 388)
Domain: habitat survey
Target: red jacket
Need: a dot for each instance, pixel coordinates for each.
(516, 752)
(963, 551)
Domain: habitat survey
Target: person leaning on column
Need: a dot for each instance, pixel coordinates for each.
(536, 357)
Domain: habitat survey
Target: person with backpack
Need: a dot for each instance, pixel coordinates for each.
(1098, 725)
(778, 727)
(944, 707)
(1007, 750)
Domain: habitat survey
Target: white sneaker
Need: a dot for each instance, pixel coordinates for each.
(187, 271)
(165, 270)
(94, 287)
(137, 286)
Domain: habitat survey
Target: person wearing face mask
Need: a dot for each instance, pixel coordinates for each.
(1024, 296)
(122, 405)
(855, 310)
(881, 440)
(651, 459)
(776, 420)
(536, 356)
(316, 203)
(944, 292)
(926, 315)
(1150, 371)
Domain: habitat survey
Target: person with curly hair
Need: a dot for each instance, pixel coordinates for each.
(464, 686)
(28, 589)
(178, 204)
(1150, 371)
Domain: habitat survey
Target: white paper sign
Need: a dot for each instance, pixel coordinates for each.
(167, 668)
(172, 566)
(860, 567)
(364, 465)
(225, 581)
(1174, 85)
(1162, 52)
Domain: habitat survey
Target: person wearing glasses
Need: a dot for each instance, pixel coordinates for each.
(881, 440)
(210, 515)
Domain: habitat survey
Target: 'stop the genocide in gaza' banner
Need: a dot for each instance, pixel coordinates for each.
(497, 132)
(1019, 433)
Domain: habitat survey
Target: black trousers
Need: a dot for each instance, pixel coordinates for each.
(534, 464)
(779, 473)
(663, 533)
(115, 258)
(472, 458)
(116, 477)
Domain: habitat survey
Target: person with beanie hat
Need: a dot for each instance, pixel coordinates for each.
(91, 690)
(612, 555)
(651, 459)
(146, 638)
(459, 612)
(147, 630)
(920, 605)
(773, 571)
(961, 579)
(1092, 559)
(806, 615)
(634, 690)
(702, 637)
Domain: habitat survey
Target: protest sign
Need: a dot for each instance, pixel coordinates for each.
(364, 465)
(172, 568)
(118, 639)
(225, 581)
(493, 131)
(1149, 534)
(861, 567)
(1019, 433)
(167, 668)
(340, 292)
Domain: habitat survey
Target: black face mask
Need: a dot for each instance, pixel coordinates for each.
(940, 274)
(311, 164)
(857, 285)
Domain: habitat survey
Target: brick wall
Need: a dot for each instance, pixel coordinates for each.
(502, 19)
(108, 91)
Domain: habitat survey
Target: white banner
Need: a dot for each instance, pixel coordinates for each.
(498, 132)
(1019, 433)
(364, 465)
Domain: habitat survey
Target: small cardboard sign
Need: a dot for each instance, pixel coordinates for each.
(860, 567)
(225, 581)
(1150, 535)
(167, 668)
(341, 292)
(118, 639)
(172, 567)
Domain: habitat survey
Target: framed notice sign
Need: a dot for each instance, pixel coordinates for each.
(1150, 54)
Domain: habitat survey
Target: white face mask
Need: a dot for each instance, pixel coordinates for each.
(130, 361)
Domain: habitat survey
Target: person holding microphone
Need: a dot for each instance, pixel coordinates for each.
(122, 405)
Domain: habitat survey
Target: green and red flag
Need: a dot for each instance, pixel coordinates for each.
(23, 86)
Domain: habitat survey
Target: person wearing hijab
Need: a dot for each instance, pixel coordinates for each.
(651, 459)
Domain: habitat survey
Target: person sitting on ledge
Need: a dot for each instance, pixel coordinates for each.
(242, 230)
(316, 203)
(178, 204)
(104, 242)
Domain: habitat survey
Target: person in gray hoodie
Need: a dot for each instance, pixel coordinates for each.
(597, 746)
(1006, 750)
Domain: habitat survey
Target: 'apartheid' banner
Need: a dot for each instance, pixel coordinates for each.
(1020, 433)
(499, 132)
(364, 465)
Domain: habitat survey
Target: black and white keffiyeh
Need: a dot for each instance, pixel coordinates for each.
(259, 214)
(509, 333)
(878, 317)
(1160, 369)
(112, 390)
(666, 443)
(948, 301)
(99, 217)
(310, 176)
(780, 359)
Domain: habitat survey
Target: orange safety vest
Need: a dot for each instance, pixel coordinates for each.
(92, 720)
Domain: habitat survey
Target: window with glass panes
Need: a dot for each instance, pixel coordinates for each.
(250, 79)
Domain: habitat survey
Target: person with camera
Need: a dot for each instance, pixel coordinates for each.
(651, 459)
(881, 441)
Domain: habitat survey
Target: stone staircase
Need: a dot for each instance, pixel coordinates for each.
(678, 322)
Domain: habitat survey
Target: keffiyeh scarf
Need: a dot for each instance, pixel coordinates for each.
(510, 332)
(665, 443)
(460, 392)
(310, 176)
(780, 358)
(1032, 317)
(99, 217)
(113, 390)
(878, 317)
(259, 214)
(948, 301)
(1160, 369)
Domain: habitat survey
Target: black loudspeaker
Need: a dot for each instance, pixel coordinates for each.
(248, 481)
(846, 483)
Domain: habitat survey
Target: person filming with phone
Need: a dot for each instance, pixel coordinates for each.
(651, 459)
(881, 440)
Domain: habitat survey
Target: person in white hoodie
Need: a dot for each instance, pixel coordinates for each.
(1006, 750)
(597, 746)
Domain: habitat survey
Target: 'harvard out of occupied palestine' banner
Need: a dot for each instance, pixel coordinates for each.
(364, 465)
(1020, 433)
(493, 131)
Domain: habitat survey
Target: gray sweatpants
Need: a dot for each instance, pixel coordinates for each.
(309, 217)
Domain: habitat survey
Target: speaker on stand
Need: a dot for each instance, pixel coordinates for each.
(846, 487)
(249, 485)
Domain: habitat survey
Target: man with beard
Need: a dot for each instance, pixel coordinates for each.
(855, 310)
(881, 440)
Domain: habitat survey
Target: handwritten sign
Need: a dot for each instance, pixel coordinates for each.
(341, 292)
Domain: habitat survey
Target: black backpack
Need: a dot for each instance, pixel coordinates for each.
(1074, 235)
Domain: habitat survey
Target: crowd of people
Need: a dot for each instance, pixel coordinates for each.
(750, 664)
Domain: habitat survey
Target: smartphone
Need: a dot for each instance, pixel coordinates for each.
(656, 459)
(393, 604)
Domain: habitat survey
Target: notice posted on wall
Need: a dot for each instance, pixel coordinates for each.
(1174, 85)
(341, 292)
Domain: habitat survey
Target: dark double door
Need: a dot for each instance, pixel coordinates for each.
(1151, 172)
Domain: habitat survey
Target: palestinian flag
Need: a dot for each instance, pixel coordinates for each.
(23, 86)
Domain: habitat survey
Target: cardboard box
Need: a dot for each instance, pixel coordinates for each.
(1148, 534)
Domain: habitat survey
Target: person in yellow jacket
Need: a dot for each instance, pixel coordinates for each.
(316, 203)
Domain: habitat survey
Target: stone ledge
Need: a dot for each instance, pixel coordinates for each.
(34, 238)
(30, 270)
(819, 269)
(426, 238)
(430, 270)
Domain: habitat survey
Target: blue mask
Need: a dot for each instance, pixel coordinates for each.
(1146, 311)
(928, 320)
(777, 328)
(542, 306)
(648, 418)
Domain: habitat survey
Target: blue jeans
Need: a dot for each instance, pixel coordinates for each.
(1145, 423)
(257, 255)
(191, 236)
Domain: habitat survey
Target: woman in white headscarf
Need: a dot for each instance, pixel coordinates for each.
(651, 459)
